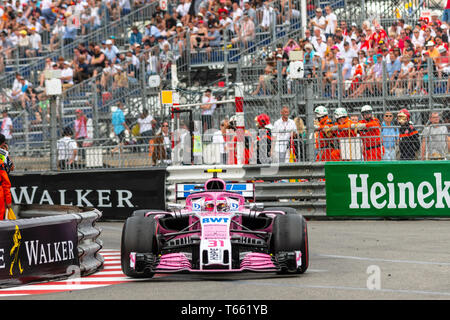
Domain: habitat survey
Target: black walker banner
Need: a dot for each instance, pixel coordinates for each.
(31, 250)
(116, 193)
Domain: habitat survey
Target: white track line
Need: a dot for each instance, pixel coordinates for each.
(110, 274)
(383, 260)
(285, 285)
(54, 287)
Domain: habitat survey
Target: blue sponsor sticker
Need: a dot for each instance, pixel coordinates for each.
(196, 206)
(234, 206)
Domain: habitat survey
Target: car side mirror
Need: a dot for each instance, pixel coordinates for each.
(256, 206)
(175, 206)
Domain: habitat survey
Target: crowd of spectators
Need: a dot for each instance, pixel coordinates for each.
(29, 24)
(34, 28)
(162, 41)
(361, 51)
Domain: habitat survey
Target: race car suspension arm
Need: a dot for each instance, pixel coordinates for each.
(183, 231)
(260, 234)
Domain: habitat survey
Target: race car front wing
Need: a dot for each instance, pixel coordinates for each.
(180, 262)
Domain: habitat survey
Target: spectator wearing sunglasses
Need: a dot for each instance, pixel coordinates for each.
(390, 136)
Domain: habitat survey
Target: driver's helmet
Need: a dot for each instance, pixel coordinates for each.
(208, 205)
(222, 205)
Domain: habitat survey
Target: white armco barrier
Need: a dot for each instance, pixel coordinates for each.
(296, 185)
(179, 174)
(189, 174)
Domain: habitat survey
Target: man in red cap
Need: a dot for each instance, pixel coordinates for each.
(264, 138)
(409, 142)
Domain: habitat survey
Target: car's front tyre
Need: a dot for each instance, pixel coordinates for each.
(290, 234)
(138, 235)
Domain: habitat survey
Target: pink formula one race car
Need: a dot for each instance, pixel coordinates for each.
(215, 231)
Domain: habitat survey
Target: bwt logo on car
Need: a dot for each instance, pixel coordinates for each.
(215, 220)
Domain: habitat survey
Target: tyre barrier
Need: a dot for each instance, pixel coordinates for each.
(49, 242)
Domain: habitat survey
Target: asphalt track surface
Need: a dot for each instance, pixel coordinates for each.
(359, 259)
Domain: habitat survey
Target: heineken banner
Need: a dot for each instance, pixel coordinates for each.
(388, 189)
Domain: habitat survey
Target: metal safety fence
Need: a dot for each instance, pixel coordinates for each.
(235, 147)
(266, 89)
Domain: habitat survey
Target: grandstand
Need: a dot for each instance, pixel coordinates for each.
(190, 64)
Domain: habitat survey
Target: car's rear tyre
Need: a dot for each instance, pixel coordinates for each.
(138, 235)
(290, 234)
(142, 212)
(286, 210)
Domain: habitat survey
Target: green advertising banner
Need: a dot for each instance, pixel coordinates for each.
(388, 189)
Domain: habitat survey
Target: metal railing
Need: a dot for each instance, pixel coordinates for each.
(31, 136)
(231, 148)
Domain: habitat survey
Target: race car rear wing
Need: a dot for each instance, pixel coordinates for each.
(247, 190)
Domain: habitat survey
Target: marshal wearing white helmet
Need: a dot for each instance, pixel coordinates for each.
(344, 128)
(324, 137)
(340, 113)
(320, 112)
(370, 131)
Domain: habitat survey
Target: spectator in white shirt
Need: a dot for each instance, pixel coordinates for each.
(35, 24)
(183, 10)
(67, 76)
(146, 124)
(320, 47)
(16, 91)
(331, 22)
(417, 38)
(283, 130)
(207, 109)
(67, 150)
(267, 16)
(226, 24)
(348, 53)
(56, 36)
(35, 43)
(317, 34)
(318, 22)
(237, 14)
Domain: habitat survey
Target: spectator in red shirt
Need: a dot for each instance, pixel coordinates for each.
(401, 40)
(378, 35)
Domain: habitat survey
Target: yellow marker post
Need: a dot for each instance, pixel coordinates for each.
(166, 97)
